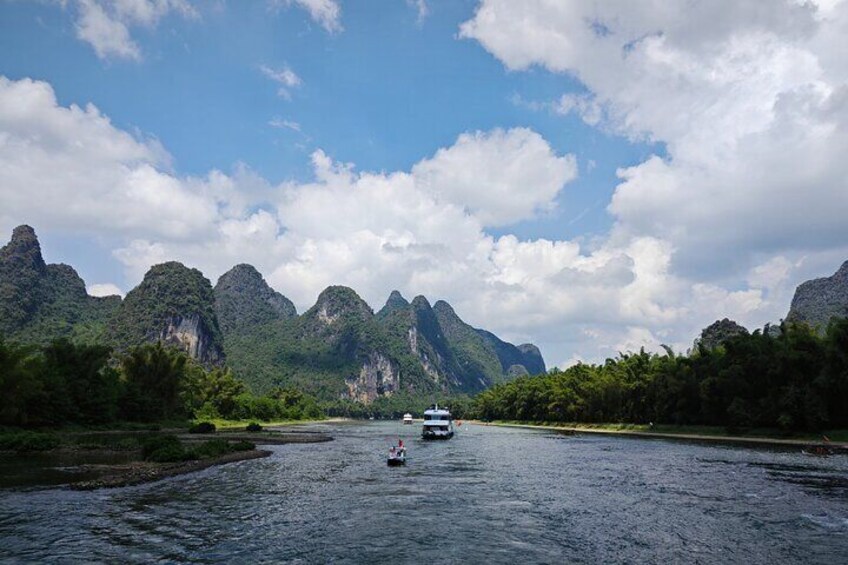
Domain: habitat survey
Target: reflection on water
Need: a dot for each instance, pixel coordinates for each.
(44, 469)
(490, 495)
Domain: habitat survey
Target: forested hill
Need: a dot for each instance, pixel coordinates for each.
(40, 302)
(337, 349)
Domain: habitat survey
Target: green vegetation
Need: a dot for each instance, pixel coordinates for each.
(170, 293)
(793, 381)
(65, 384)
(395, 406)
(169, 449)
(202, 428)
(26, 441)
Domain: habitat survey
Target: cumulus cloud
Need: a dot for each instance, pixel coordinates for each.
(750, 104)
(749, 100)
(105, 25)
(70, 168)
(422, 230)
(500, 176)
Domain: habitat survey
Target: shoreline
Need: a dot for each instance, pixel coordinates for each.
(708, 438)
(132, 470)
(141, 472)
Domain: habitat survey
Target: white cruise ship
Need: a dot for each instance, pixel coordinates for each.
(438, 423)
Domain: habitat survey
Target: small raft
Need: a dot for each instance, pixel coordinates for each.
(397, 455)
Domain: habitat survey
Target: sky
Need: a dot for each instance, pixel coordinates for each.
(591, 177)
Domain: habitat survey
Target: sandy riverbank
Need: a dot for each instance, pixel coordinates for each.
(738, 440)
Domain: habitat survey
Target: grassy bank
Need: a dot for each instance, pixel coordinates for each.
(238, 425)
(706, 433)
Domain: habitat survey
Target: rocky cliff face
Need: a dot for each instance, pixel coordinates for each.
(817, 301)
(337, 349)
(244, 300)
(174, 304)
(379, 376)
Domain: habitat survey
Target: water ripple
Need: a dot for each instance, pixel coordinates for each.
(490, 495)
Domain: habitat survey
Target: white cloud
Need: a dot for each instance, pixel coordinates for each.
(104, 289)
(105, 24)
(284, 124)
(420, 230)
(750, 102)
(71, 169)
(500, 176)
(327, 13)
(422, 10)
(285, 77)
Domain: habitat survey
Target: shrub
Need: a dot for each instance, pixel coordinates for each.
(164, 449)
(202, 428)
(254, 427)
(218, 447)
(211, 448)
(28, 441)
(242, 445)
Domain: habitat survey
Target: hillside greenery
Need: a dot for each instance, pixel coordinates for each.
(65, 383)
(168, 290)
(796, 380)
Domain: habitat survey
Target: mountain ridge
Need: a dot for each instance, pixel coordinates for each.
(337, 349)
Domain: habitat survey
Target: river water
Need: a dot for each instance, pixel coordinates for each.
(490, 495)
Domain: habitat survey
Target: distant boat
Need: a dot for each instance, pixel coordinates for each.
(438, 423)
(397, 455)
(407, 418)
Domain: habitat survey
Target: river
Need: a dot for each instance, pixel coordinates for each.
(490, 495)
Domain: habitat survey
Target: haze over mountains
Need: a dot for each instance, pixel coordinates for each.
(339, 348)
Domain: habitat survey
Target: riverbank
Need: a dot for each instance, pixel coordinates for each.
(687, 435)
(105, 459)
(140, 472)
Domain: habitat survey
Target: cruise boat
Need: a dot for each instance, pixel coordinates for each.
(438, 423)
(407, 418)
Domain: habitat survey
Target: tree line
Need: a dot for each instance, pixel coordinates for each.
(68, 383)
(795, 380)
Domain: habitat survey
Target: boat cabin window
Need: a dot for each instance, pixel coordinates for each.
(435, 417)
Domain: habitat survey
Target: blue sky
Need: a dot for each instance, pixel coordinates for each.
(475, 112)
(385, 92)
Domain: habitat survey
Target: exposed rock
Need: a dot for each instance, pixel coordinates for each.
(339, 347)
(379, 376)
(189, 335)
(818, 300)
(517, 371)
(337, 302)
(718, 332)
(174, 304)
